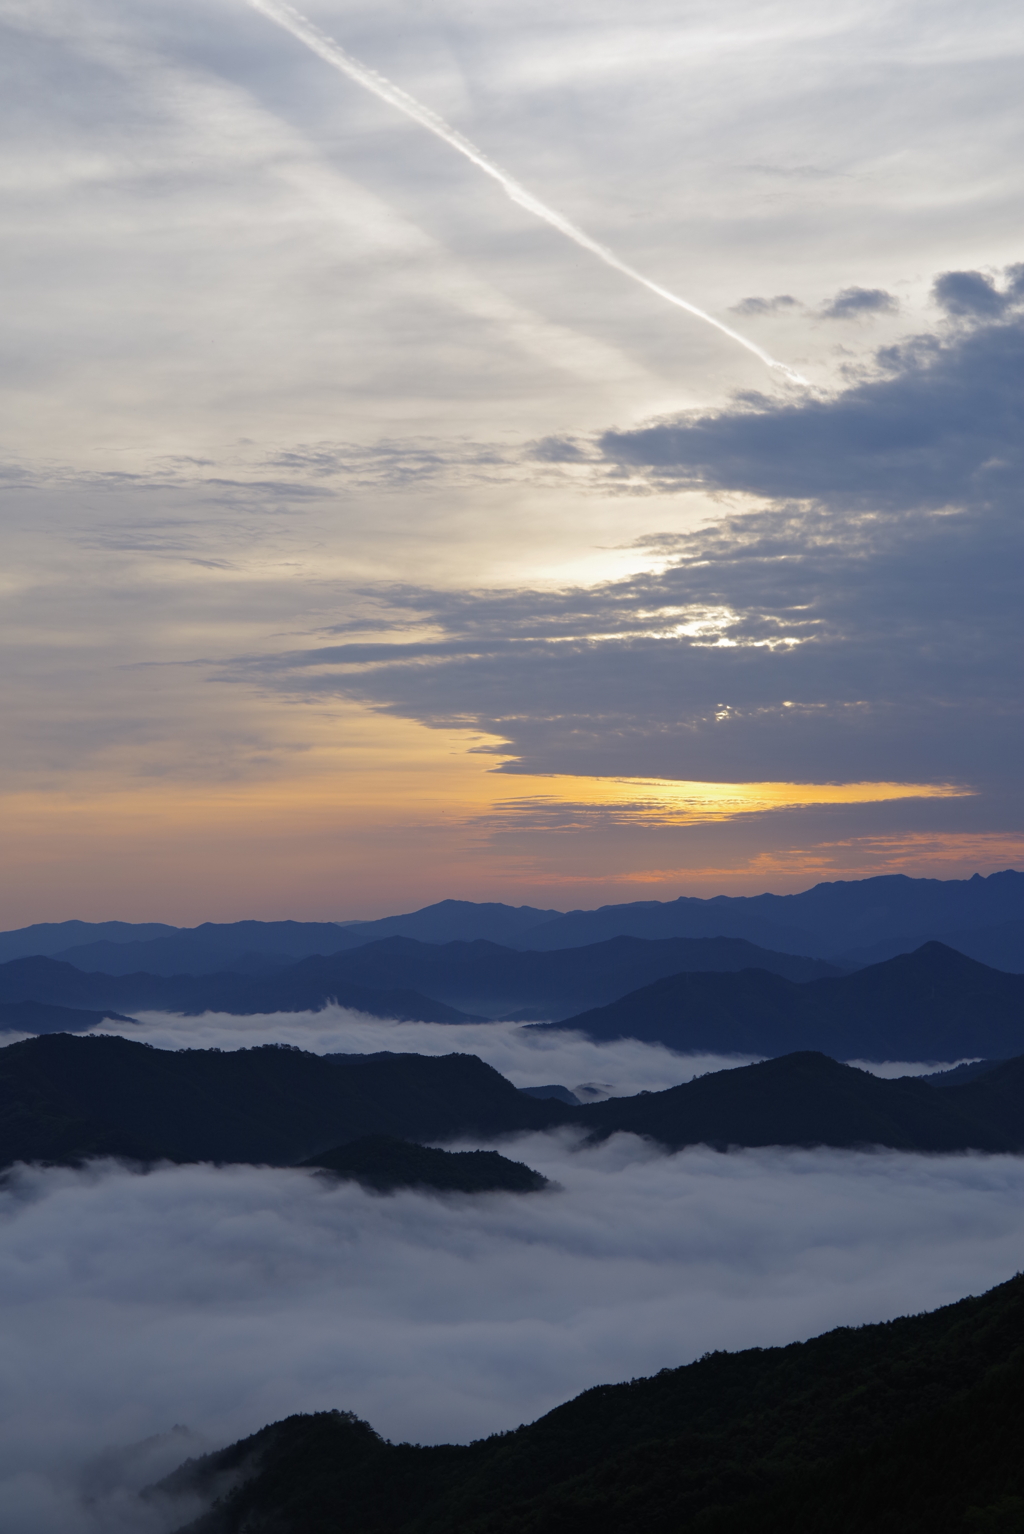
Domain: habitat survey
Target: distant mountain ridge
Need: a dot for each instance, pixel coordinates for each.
(1000, 946)
(829, 921)
(934, 1004)
(391, 977)
(59, 984)
(484, 978)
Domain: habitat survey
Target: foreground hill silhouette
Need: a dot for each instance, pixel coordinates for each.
(808, 1099)
(384, 1163)
(910, 1426)
(934, 1004)
(64, 1098)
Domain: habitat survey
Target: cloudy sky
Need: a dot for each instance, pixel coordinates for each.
(368, 542)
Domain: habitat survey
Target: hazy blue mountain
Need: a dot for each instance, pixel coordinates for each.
(249, 946)
(451, 921)
(828, 921)
(41, 1017)
(401, 977)
(64, 1098)
(238, 946)
(51, 981)
(559, 1093)
(1000, 947)
(934, 1004)
(911, 1426)
(663, 919)
(485, 978)
(384, 1163)
(48, 937)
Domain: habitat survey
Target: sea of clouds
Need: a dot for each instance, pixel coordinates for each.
(153, 1315)
(527, 1056)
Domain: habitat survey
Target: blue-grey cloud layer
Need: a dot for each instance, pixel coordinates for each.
(228, 1297)
(865, 623)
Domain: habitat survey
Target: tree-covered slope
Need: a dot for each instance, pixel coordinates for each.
(384, 1163)
(909, 1426)
(64, 1098)
(807, 1099)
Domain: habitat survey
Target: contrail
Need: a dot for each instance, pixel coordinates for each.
(302, 28)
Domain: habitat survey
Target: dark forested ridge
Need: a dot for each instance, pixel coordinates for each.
(911, 1426)
(934, 1004)
(807, 1099)
(385, 1163)
(64, 1098)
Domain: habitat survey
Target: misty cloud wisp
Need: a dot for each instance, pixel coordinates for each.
(303, 29)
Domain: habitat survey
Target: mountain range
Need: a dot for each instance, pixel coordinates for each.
(64, 1099)
(402, 977)
(304, 986)
(912, 1425)
(845, 922)
(934, 1004)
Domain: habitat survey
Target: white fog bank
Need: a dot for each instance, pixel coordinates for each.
(523, 1054)
(223, 1299)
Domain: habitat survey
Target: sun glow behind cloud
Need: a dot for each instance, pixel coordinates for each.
(376, 814)
(664, 801)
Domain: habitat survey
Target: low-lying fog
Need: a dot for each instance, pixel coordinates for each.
(523, 1054)
(222, 1299)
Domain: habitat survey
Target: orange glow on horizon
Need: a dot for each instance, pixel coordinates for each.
(396, 818)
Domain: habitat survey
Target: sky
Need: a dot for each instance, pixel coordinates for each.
(368, 542)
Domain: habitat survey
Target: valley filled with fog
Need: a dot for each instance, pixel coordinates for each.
(527, 1056)
(216, 1299)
